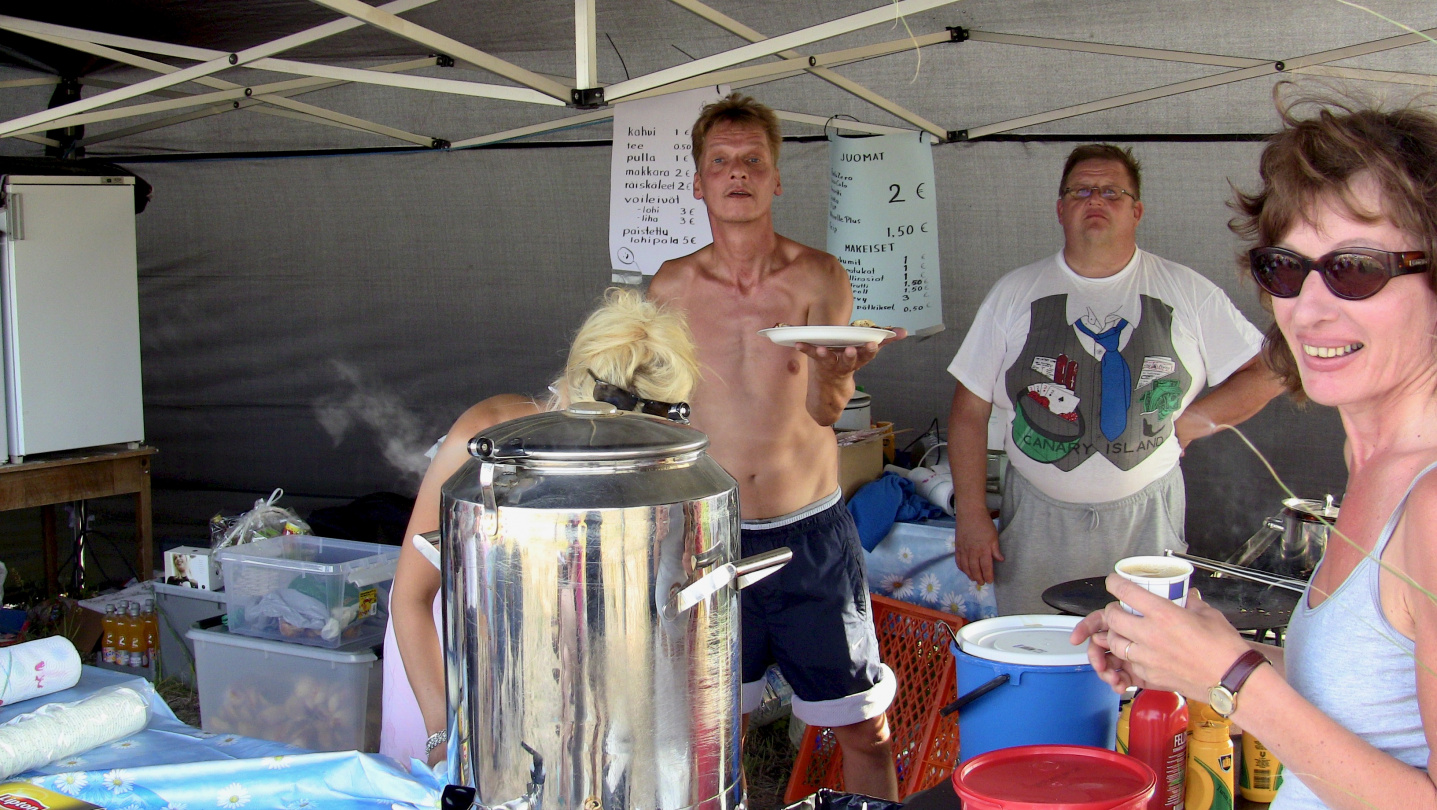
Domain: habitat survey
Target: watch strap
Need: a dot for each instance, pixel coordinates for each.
(1241, 669)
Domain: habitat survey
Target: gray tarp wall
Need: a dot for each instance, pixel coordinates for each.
(314, 323)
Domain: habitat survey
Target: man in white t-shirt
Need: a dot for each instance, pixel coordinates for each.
(1095, 356)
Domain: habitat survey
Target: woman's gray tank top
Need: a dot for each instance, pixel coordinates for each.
(1345, 658)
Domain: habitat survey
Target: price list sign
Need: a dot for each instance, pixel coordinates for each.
(653, 216)
(882, 226)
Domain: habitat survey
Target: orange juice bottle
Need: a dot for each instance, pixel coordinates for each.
(107, 643)
(122, 634)
(137, 637)
(152, 632)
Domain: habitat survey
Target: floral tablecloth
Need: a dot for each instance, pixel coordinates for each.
(170, 766)
(914, 563)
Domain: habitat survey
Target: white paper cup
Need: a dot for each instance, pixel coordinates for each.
(1167, 577)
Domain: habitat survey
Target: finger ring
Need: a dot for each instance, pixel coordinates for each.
(1127, 649)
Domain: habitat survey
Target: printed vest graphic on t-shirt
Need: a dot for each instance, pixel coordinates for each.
(1069, 404)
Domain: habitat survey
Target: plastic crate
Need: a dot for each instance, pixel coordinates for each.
(178, 608)
(914, 644)
(337, 590)
(322, 700)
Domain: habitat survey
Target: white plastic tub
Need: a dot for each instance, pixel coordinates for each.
(322, 700)
(309, 590)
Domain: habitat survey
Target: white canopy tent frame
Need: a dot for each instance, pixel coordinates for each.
(722, 68)
(240, 97)
(1246, 69)
(276, 94)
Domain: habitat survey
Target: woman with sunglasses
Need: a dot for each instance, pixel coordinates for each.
(630, 353)
(1345, 223)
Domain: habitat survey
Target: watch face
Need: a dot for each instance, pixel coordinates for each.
(1221, 700)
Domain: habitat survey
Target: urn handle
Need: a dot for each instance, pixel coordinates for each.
(740, 574)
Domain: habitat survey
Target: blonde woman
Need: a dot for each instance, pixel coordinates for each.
(629, 352)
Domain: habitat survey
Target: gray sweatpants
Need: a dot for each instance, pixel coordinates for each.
(1046, 541)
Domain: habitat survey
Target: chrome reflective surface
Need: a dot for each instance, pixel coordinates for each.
(567, 686)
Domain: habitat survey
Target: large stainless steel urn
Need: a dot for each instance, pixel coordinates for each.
(591, 641)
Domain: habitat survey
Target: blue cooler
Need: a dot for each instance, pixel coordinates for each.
(1040, 690)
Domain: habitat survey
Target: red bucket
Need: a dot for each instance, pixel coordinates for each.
(1054, 777)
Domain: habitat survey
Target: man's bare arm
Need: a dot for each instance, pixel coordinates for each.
(830, 381)
(975, 541)
(1234, 401)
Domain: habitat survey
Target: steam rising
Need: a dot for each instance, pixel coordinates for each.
(359, 405)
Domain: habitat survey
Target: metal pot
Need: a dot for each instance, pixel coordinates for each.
(591, 615)
(857, 414)
(1305, 526)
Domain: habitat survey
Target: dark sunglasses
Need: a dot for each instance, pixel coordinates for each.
(626, 400)
(1351, 273)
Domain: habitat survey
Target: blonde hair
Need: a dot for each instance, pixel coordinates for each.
(635, 344)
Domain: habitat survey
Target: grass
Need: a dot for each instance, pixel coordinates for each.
(182, 699)
(767, 761)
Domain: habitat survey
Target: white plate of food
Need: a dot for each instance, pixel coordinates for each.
(831, 336)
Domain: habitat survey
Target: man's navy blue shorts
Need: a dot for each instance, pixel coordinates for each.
(814, 620)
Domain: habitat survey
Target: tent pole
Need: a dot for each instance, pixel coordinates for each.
(771, 46)
(276, 93)
(772, 71)
(1264, 68)
(586, 54)
(568, 122)
(204, 69)
(379, 18)
(734, 26)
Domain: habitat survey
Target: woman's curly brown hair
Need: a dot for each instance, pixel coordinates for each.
(1312, 159)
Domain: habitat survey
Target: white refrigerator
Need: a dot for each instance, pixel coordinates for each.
(70, 317)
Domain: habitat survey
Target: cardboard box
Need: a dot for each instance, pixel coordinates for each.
(859, 463)
(193, 567)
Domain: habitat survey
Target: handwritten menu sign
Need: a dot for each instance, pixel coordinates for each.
(653, 216)
(882, 226)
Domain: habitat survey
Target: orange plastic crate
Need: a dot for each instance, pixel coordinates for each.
(925, 745)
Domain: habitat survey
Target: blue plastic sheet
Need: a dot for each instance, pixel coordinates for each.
(169, 766)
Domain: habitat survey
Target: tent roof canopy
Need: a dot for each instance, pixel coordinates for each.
(161, 76)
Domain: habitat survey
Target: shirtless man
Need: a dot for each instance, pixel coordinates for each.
(768, 412)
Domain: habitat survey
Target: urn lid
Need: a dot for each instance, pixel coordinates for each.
(586, 432)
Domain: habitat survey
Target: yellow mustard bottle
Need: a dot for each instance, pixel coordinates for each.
(1261, 772)
(1124, 713)
(1199, 713)
(1209, 778)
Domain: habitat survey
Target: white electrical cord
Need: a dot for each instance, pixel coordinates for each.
(924, 457)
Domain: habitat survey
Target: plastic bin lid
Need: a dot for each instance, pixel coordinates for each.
(1054, 777)
(208, 631)
(1039, 640)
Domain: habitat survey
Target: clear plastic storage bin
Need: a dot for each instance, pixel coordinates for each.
(322, 700)
(309, 590)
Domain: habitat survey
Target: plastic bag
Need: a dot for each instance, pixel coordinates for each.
(264, 520)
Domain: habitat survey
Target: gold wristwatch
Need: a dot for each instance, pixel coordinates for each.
(1223, 697)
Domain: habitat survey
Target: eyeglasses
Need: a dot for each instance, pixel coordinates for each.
(1109, 193)
(626, 400)
(1351, 273)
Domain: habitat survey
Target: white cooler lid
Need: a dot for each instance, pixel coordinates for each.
(1039, 640)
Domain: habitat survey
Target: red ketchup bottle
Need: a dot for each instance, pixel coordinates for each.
(1158, 735)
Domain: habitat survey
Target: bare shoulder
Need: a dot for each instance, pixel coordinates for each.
(822, 280)
(491, 412)
(675, 275)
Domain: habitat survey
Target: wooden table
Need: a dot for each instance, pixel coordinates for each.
(79, 475)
